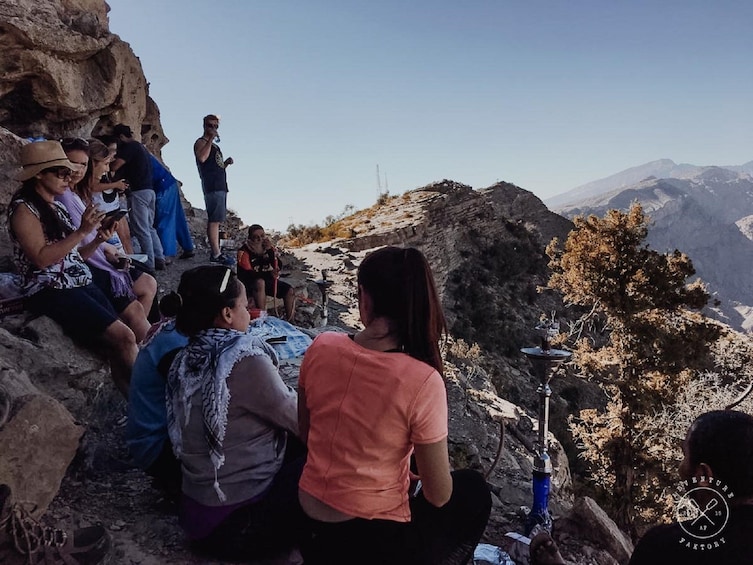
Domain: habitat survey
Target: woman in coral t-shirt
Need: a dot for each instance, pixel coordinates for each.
(366, 404)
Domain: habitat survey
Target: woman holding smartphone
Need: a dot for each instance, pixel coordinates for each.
(49, 252)
(130, 292)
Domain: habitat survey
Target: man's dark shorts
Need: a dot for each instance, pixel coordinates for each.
(216, 205)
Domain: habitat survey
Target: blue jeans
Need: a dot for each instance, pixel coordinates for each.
(141, 220)
(171, 222)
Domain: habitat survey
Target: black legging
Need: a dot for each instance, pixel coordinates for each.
(446, 535)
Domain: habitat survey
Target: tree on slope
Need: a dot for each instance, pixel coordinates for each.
(652, 345)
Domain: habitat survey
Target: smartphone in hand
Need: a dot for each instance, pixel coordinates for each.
(113, 216)
(117, 214)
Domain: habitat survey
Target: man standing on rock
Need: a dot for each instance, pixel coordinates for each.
(132, 164)
(214, 184)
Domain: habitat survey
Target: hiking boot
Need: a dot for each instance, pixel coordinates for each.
(24, 541)
(222, 259)
(187, 254)
(159, 264)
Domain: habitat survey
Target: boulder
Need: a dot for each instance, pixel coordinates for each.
(42, 360)
(38, 443)
(41, 437)
(587, 522)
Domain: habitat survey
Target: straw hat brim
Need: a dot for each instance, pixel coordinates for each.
(28, 171)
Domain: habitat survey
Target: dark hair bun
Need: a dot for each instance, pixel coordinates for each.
(170, 304)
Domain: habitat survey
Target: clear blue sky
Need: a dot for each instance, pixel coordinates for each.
(549, 95)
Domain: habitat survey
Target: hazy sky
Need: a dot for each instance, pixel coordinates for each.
(548, 95)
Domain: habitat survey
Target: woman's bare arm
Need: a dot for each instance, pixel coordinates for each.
(433, 463)
(28, 231)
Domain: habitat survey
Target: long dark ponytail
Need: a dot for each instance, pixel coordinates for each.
(401, 286)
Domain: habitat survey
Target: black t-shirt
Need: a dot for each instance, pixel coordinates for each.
(669, 544)
(137, 169)
(212, 172)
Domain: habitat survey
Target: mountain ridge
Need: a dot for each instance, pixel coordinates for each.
(660, 168)
(709, 217)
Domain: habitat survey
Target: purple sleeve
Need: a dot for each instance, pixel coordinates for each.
(75, 208)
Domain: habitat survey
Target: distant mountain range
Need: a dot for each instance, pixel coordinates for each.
(662, 169)
(705, 212)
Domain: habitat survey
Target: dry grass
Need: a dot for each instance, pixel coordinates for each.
(347, 224)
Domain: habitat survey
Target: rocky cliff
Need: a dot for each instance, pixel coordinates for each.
(62, 73)
(486, 248)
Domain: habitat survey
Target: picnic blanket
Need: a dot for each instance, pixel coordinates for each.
(275, 330)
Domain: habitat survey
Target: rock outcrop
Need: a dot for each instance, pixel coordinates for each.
(38, 444)
(486, 248)
(448, 219)
(62, 73)
(48, 380)
(587, 522)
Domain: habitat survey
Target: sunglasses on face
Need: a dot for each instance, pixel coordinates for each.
(60, 172)
(213, 126)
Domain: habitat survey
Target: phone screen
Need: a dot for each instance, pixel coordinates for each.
(112, 217)
(117, 214)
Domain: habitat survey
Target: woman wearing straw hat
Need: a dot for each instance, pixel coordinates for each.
(50, 256)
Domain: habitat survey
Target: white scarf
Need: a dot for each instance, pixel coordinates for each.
(205, 364)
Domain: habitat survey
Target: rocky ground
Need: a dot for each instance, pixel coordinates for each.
(102, 486)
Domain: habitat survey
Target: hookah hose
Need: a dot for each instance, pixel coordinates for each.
(276, 274)
(500, 447)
